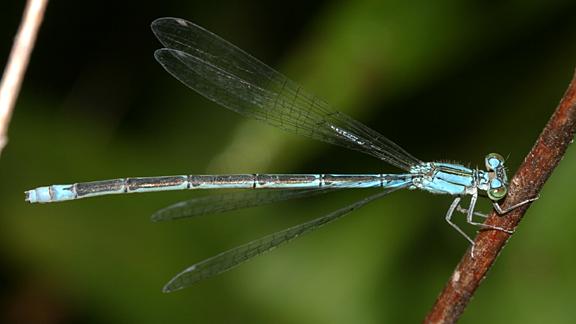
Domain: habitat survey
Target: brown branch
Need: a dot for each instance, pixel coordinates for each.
(527, 183)
(17, 63)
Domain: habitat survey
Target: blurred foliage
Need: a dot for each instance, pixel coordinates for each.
(445, 79)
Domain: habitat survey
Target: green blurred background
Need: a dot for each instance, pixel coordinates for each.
(447, 79)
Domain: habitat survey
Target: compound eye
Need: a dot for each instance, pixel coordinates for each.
(494, 161)
(497, 191)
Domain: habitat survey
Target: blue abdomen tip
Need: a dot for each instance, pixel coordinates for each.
(50, 194)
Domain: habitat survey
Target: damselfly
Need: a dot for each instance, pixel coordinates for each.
(227, 75)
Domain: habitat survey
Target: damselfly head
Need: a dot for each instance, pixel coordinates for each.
(498, 186)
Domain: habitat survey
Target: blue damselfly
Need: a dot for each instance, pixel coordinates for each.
(227, 75)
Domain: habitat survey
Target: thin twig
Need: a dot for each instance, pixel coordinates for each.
(17, 63)
(527, 183)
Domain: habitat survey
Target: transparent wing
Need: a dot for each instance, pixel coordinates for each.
(227, 75)
(220, 203)
(234, 257)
